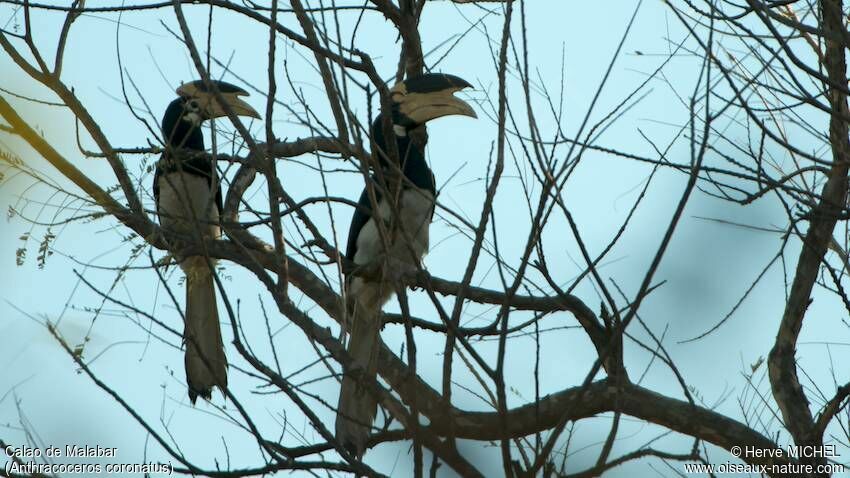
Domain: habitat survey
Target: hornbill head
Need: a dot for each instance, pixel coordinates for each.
(419, 99)
(425, 97)
(196, 104)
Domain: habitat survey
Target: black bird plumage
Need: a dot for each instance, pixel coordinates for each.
(416, 174)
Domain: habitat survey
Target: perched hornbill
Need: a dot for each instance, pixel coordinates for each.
(414, 102)
(188, 202)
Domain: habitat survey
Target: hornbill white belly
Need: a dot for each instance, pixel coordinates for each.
(415, 101)
(188, 202)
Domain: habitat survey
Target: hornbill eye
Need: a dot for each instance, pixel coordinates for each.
(192, 112)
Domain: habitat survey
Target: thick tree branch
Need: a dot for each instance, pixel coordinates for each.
(782, 362)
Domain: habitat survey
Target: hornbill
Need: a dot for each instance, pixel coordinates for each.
(188, 203)
(414, 102)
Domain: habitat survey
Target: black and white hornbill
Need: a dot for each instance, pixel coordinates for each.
(188, 202)
(415, 101)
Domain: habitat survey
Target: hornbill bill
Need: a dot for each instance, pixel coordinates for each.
(188, 202)
(415, 101)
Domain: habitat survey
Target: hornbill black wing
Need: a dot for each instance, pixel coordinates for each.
(361, 216)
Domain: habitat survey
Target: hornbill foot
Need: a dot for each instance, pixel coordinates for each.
(371, 271)
(400, 272)
(165, 261)
(174, 247)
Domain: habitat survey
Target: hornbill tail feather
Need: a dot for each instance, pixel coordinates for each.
(357, 405)
(206, 364)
